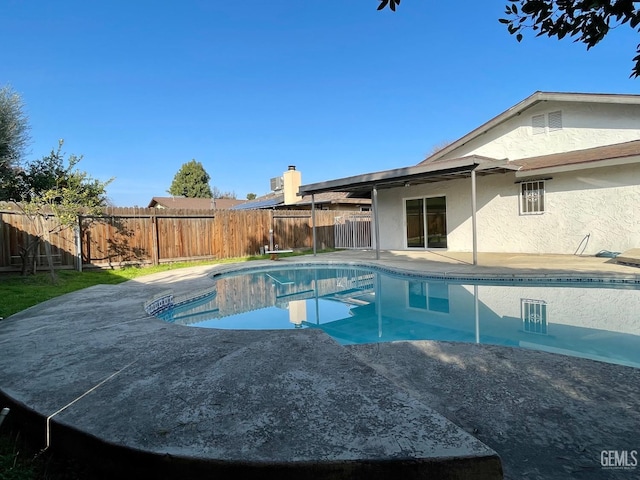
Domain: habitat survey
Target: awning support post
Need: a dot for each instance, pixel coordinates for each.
(313, 222)
(376, 224)
(473, 217)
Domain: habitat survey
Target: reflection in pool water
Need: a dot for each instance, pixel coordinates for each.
(359, 305)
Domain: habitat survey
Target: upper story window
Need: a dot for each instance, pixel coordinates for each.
(532, 197)
(544, 123)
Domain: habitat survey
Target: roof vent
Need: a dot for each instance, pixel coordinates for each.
(538, 124)
(555, 121)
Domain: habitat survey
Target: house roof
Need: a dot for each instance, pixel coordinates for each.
(578, 158)
(462, 167)
(529, 102)
(194, 203)
(269, 200)
(429, 173)
(333, 198)
(436, 169)
(272, 200)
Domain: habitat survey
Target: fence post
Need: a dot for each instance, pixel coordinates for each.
(77, 233)
(155, 239)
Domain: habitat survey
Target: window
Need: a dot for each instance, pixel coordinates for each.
(532, 197)
(534, 316)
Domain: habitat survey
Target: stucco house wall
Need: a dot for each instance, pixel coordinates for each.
(584, 125)
(586, 211)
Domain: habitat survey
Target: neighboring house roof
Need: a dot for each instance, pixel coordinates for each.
(529, 102)
(578, 158)
(333, 198)
(276, 200)
(270, 200)
(194, 203)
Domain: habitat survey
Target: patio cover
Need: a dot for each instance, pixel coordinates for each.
(438, 171)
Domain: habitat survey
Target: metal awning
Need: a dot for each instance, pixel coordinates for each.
(434, 172)
(368, 184)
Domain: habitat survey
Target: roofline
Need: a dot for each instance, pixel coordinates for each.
(392, 177)
(572, 167)
(530, 101)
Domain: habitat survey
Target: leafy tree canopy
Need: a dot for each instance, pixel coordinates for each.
(14, 138)
(51, 188)
(251, 196)
(62, 190)
(191, 181)
(588, 21)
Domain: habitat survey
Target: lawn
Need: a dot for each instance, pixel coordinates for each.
(21, 292)
(18, 460)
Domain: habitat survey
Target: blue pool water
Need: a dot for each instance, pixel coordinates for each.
(361, 305)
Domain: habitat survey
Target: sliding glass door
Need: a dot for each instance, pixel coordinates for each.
(426, 222)
(415, 222)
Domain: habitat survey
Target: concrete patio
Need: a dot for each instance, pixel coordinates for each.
(91, 373)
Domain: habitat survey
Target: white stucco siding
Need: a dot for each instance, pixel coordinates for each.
(392, 215)
(585, 211)
(583, 126)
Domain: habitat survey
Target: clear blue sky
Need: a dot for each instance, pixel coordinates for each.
(248, 87)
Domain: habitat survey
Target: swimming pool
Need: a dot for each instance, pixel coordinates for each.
(356, 305)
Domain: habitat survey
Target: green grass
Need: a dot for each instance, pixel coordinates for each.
(17, 460)
(18, 292)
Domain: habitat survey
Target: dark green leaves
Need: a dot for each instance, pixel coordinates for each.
(391, 3)
(589, 21)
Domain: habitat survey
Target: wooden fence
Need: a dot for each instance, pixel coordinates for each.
(151, 236)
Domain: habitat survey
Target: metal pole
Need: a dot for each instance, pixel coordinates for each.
(313, 222)
(376, 225)
(378, 303)
(473, 217)
(477, 310)
(315, 291)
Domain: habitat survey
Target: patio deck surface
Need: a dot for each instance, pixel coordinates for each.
(92, 373)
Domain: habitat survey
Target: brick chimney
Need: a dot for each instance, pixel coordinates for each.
(291, 179)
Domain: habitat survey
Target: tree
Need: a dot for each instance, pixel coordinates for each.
(14, 138)
(58, 191)
(251, 196)
(191, 181)
(587, 20)
(438, 147)
(217, 193)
